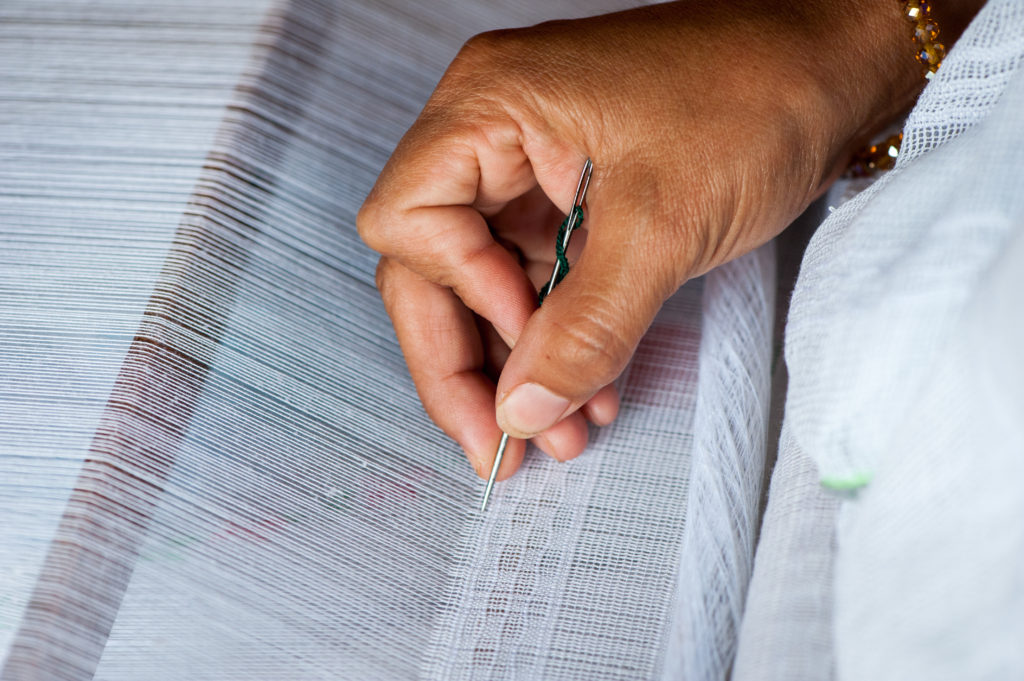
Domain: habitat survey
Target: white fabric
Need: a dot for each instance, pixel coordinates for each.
(107, 112)
(213, 464)
(904, 347)
(894, 252)
(570, 574)
(787, 624)
(930, 572)
(728, 466)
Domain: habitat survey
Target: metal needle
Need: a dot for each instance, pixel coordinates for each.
(577, 204)
(494, 470)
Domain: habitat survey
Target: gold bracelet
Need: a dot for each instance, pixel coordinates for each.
(926, 34)
(930, 52)
(875, 158)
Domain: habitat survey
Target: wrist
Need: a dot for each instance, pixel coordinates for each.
(868, 73)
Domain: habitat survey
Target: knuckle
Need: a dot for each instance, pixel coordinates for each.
(491, 67)
(369, 224)
(484, 48)
(478, 72)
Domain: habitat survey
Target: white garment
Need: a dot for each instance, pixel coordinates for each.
(904, 347)
(787, 623)
(887, 274)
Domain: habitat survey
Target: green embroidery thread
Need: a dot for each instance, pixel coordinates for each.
(573, 220)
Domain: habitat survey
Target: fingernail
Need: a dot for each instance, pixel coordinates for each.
(548, 447)
(545, 445)
(506, 336)
(476, 461)
(531, 408)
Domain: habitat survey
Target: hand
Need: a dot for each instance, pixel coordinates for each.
(711, 126)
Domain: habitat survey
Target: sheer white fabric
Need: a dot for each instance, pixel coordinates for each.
(728, 466)
(108, 113)
(213, 464)
(929, 571)
(894, 252)
(787, 624)
(904, 350)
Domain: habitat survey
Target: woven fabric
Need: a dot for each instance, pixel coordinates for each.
(728, 467)
(903, 347)
(787, 624)
(892, 252)
(109, 112)
(928, 576)
(213, 463)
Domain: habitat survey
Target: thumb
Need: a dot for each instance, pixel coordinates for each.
(586, 331)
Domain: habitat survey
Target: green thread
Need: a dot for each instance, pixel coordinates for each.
(575, 217)
(850, 482)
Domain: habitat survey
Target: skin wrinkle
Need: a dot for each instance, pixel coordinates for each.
(479, 257)
(490, 62)
(589, 337)
(441, 270)
(460, 261)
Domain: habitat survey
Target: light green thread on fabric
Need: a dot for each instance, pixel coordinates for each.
(851, 482)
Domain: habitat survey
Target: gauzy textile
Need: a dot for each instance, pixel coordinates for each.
(904, 350)
(213, 463)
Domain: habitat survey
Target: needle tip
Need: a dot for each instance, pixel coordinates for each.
(494, 470)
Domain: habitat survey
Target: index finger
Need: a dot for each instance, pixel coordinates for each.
(428, 208)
